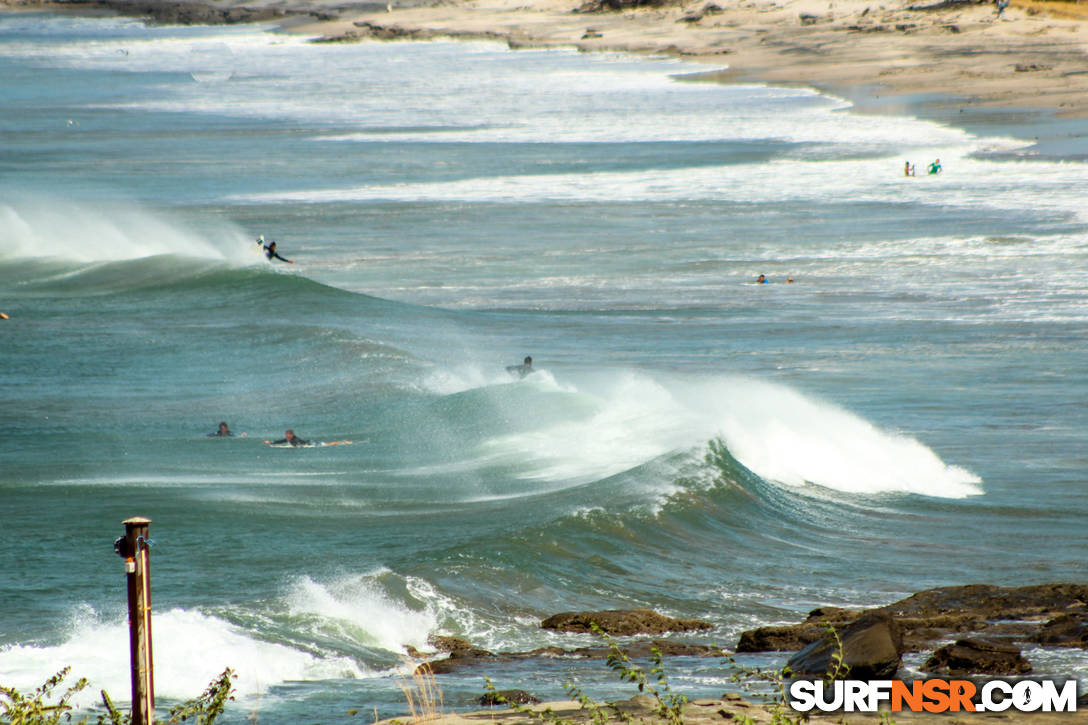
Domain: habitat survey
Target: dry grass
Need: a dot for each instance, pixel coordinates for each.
(1069, 9)
(423, 695)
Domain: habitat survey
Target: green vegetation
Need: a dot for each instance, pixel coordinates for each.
(43, 707)
(670, 706)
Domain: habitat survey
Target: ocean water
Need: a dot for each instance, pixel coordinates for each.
(908, 413)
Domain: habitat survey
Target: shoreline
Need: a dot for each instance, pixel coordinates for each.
(712, 711)
(1023, 74)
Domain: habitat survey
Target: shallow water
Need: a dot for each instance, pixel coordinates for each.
(907, 413)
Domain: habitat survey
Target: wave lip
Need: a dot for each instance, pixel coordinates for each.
(43, 228)
(790, 439)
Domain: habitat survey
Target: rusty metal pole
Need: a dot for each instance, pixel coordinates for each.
(138, 572)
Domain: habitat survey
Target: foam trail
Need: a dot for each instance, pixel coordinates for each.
(190, 648)
(52, 228)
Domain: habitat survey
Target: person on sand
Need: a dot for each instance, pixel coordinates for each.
(522, 370)
(289, 438)
(270, 253)
(935, 167)
(223, 432)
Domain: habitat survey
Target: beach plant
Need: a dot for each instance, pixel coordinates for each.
(206, 709)
(670, 705)
(423, 695)
(777, 680)
(41, 708)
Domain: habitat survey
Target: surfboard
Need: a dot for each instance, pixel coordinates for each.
(316, 444)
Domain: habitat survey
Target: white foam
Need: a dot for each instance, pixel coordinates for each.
(781, 434)
(969, 183)
(793, 439)
(40, 228)
(361, 607)
(190, 648)
(623, 422)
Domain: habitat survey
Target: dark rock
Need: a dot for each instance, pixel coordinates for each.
(1066, 630)
(792, 637)
(990, 602)
(940, 613)
(807, 19)
(872, 647)
(187, 13)
(622, 622)
(463, 655)
(385, 32)
(508, 697)
(977, 656)
(446, 643)
(1030, 67)
(457, 660)
(600, 6)
(785, 638)
(945, 5)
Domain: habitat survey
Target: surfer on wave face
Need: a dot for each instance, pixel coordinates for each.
(522, 370)
(271, 254)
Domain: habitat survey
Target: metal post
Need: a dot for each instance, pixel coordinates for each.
(134, 548)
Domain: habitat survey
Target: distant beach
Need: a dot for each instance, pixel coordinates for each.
(955, 61)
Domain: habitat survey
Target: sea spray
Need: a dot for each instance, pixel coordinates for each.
(40, 227)
(190, 648)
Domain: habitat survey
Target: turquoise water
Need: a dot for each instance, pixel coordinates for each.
(908, 413)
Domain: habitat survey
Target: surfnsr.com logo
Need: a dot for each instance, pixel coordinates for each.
(933, 695)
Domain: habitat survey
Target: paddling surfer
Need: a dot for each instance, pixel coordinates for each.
(289, 438)
(223, 432)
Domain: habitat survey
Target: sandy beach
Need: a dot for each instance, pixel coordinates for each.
(1031, 56)
(733, 709)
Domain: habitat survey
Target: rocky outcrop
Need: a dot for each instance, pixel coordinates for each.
(603, 6)
(977, 657)
(622, 622)
(503, 698)
(873, 641)
(187, 13)
(468, 656)
(997, 612)
(871, 649)
(1066, 630)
